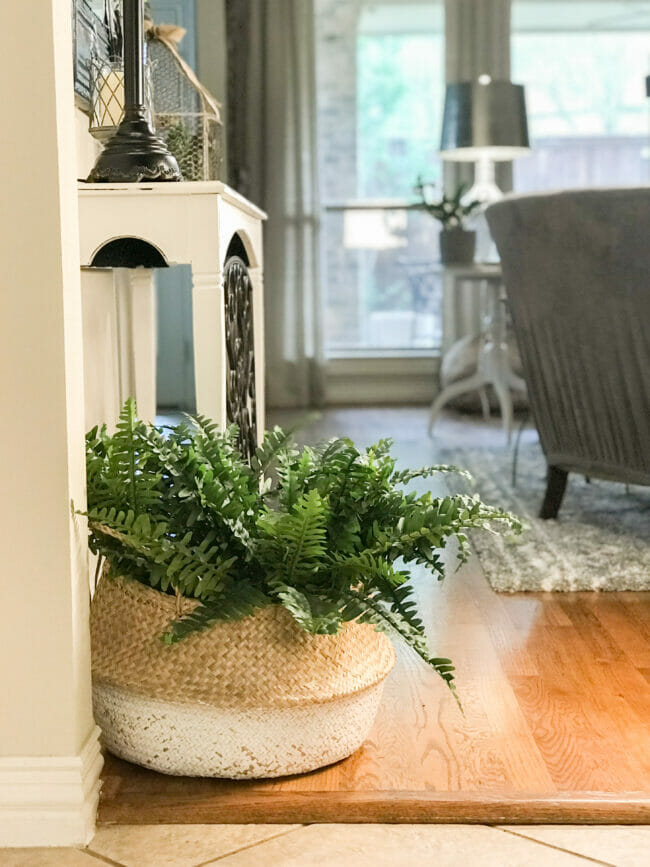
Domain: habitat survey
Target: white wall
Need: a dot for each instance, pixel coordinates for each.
(49, 758)
(100, 313)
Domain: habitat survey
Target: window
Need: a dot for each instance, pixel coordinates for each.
(400, 94)
(584, 64)
(380, 77)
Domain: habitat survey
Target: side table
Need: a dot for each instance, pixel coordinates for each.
(493, 367)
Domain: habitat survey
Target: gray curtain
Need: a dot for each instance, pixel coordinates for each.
(273, 161)
(477, 41)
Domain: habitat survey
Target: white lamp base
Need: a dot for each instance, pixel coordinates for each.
(484, 190)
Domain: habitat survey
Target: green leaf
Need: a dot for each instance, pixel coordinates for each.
(402, 477)
(295, 543)
(314, 614)
(274, 443)
(241, 599)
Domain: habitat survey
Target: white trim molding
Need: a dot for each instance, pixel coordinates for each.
(50, 800)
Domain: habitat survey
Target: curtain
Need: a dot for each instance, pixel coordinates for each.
(273, 161)
(477, 41)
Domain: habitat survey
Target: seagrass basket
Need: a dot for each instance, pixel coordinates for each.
(246, 699)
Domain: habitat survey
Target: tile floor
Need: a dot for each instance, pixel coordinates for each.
(353, 845)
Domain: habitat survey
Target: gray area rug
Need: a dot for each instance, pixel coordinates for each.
(601, 540)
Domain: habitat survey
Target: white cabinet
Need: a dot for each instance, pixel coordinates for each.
(193, 223)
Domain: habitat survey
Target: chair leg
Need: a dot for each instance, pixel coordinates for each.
(515, 454)
(556, 480)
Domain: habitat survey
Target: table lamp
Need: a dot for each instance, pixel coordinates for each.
(484, 122)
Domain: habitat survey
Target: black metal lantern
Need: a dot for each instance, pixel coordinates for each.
(135, 152)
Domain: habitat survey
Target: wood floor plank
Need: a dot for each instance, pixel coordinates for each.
(580, 716)
(556, 725)
(601, 645)
(626, 624)
(481, 676)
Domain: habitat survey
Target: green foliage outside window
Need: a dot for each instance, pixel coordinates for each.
(400, 90)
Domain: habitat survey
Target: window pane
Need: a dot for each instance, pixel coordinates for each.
(584, 66)
(398, 130)
(380, 84)
(382, 290)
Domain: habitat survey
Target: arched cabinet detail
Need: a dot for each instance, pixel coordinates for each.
(128, 253)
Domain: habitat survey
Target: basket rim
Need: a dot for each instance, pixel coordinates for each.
(101, 682)
(122, 653)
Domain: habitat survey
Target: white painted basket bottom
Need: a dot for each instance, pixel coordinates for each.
(202, 741)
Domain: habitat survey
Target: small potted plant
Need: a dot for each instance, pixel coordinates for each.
(238, 626)
(457, 243)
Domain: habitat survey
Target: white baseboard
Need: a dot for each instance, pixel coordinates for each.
(50, 801)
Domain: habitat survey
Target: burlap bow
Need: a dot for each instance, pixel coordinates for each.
(170, 35)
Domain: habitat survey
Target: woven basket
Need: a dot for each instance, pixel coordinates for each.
(252, 698)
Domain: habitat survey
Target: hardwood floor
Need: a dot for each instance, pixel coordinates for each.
(556, 698)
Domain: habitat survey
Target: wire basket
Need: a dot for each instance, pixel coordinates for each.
(186, 115)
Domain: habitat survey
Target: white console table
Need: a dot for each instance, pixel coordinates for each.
(195, 223)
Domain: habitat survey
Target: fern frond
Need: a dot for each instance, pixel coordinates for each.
(294, 477)
(372, 611)
(381, 449)
(240, 599)
(275, 443)
(195, 570)
(120, 473)
(314, 614)
(296, 542)
(326, 450)
(403, 477)
(365, 567)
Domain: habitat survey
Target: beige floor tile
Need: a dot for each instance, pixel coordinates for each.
(55, 857)
(177, 845)
(396, 845)
(624, 846)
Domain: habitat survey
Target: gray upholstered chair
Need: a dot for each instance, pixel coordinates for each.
(576, 266)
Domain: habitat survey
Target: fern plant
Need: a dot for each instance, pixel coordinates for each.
(326, 531)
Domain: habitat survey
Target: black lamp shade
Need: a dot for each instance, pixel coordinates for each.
(484, 119)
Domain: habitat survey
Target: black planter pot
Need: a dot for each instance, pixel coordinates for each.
(457, 246)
